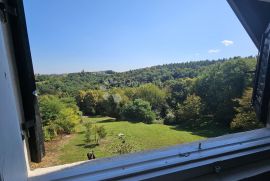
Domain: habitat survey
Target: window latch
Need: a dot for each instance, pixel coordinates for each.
(6, 10)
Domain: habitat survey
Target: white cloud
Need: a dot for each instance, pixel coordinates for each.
(213, 51)
(227, 42)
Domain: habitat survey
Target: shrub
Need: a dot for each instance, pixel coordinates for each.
(245, 119)
(50, 131)
(67, 119)
(101, 132)
(138, 111)
(59, 115)
(121, 146)
(170, 118)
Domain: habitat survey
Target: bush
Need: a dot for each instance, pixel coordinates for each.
(87, 135)
(101, 132)
(67, 119)
(50, 131)
(170, 118)
(59, 115)
(245, 119)
(121, 146)
(138, 111)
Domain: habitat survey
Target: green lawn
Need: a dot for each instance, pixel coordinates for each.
(141, 136)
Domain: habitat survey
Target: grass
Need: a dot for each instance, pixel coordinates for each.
(141, 136)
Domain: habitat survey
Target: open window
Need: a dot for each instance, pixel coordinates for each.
(237, 156)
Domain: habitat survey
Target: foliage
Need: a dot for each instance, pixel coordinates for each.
(67, 119)
(219, 85)
(138, 111)
(50, 131)
(50, 107)
(112, 104)
(87, 126)
(167, 91)
(96, 131)
(140, 136)
(121, 146)
(59, 117)
(189, 111)
(179, 90)
(245, 119)
(152, 94)
(170, 118)
(101, 132)
(87, 101)
(70, 84)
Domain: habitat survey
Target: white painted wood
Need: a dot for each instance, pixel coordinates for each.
(12, 158)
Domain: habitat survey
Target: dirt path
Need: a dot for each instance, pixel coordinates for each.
(52, 149)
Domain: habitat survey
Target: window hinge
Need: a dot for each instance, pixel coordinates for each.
(25, 128)
(28, 124)
(6, 10)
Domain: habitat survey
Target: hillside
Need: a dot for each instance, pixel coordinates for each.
(72, 82)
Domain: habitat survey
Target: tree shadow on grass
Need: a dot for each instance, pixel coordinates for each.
(108, 120)
(205, 131)
(93, 145)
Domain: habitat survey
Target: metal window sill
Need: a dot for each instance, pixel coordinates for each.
(186, 161)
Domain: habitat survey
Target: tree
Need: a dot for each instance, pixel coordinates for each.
(189, 111)
(50, 107)
(219, 85)
(138, 111)
(87, 101)
(87, 135)
(170, 118)
(245, 119)
(112, 104)
(67, 119)
(59, 117)
(179, 90)
(100, 133)
(152, 94)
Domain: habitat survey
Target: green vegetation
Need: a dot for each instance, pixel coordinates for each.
(189, 110)
(139, 137)
(179, 102)
(138, 110)
(59, 115)
(245, 119)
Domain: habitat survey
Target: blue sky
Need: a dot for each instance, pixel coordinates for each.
(92, 35)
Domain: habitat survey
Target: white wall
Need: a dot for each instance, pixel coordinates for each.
(12, 157)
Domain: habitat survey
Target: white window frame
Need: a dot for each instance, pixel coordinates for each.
(187, 161)
(223, 156)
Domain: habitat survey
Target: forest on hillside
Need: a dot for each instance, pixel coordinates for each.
(186, 94)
